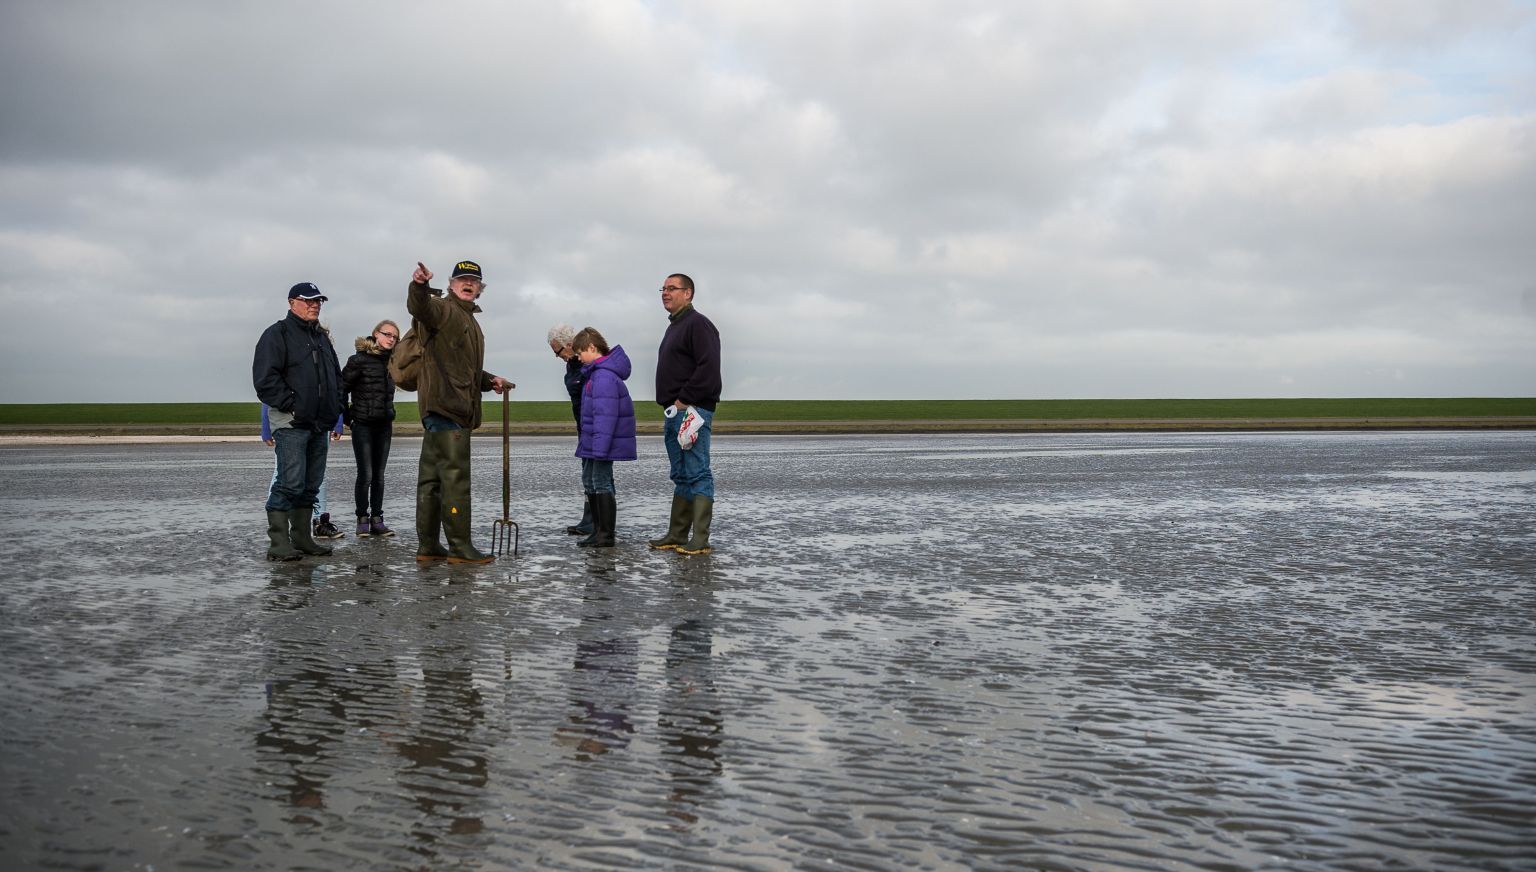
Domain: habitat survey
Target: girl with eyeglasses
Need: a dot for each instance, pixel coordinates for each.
(370, 412)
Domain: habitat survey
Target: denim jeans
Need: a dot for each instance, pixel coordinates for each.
(319, 496)
(370, 447)
(596, 476)
(691, 476)
(300, 468)
(435, 423)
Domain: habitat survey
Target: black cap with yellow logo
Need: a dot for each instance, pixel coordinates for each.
(467, 268)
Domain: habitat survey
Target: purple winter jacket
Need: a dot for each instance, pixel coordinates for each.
(607, 412)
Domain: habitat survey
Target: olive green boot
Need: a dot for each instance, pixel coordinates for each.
(429, 498)
(677, 530)
(456, 497)
(301, 531)
(703, 513)
(277, 531)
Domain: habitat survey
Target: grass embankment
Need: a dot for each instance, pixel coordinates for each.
(850, 415)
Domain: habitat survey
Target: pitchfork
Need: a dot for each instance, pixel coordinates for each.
(505, 531)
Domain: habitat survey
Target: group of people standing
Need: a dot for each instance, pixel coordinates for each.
(298, 378)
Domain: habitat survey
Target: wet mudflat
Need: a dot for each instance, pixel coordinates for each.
(1310, 651)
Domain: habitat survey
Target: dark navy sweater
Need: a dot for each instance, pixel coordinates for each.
(688, 362)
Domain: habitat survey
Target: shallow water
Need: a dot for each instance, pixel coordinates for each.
(1310, 651)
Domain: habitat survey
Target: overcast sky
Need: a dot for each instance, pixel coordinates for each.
(1183, 198)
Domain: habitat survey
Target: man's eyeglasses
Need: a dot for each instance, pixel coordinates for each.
(666, 288)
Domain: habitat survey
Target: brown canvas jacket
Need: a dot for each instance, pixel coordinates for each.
(452, 374)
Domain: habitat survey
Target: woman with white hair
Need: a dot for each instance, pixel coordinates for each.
(560, 337)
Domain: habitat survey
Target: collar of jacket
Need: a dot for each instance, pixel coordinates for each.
(469, 306)
(312, 326)
(687, 307)
(369, 345)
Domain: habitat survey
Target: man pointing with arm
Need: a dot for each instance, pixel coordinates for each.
(448, 395)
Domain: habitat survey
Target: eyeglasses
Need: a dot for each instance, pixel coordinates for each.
(666, 288)
(560, 352)
(390, 335)
(306, 302)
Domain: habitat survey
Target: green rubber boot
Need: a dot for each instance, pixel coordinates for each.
(429, 498)
(277, 531)
(302, 532)
(456, 497)
(677, 530)
(703, 513)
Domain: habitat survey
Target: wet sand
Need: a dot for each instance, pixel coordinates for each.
(1174, 651)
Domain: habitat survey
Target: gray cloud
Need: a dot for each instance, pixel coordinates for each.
(885, 200)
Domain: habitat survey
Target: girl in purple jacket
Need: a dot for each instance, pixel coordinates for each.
(607, 428)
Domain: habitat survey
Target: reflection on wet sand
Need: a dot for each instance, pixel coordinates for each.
(445, 773)
(313, 699)
(690, 724)
(1193, 651)
(603, 676)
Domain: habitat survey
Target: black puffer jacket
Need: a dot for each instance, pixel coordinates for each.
(370, 391)
(295, 371)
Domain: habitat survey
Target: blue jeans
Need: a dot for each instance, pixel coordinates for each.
(300, 468)
(691, 476)
(596, 476)
(435, 423)
(319, 497)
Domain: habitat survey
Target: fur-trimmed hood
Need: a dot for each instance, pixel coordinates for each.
(369, 345)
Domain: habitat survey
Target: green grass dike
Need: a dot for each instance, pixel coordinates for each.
(852, 416)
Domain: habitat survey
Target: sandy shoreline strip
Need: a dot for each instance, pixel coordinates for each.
(119, 434)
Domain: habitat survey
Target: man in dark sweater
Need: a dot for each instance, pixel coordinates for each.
(688, 388)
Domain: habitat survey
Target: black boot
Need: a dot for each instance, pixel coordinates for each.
(303, 535)
(585, 527)
(607, 509)
(277, 531)
(604, 512)
(597, 527)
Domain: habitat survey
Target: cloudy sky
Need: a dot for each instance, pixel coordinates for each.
(883, 199)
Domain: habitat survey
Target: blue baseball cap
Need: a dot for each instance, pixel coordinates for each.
(307, 292)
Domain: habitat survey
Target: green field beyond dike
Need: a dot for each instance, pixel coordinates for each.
(846, 416)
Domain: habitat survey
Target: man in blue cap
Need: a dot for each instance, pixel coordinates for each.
(297, 375)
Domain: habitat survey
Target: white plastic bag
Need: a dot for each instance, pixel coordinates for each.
(688, 433)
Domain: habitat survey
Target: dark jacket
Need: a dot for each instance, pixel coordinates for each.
(295, 371)
(370, 391)
(452, 378)
(607, 412)
(573, 382)
(688, 362)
